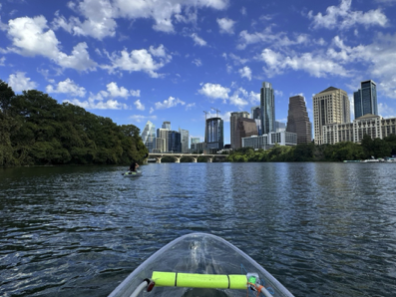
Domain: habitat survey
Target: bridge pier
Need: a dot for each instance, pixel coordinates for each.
(194, 159)
(158, 160)
(210, 160)
(177, 160)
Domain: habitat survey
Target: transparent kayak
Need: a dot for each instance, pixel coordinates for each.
(200, 264)
(133, 173)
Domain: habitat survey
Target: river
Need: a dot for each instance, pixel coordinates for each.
(322, 229)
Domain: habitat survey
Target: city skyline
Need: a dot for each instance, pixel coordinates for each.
(170, 61)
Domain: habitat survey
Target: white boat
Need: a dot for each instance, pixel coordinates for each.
(132, 173)
(200, 264)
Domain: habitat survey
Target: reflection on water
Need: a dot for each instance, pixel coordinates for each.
(320, 228)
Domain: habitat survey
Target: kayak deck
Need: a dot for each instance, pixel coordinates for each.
(198, 253)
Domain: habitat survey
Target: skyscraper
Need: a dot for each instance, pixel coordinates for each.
(267, 106)
(166, 125)
(245, 128)
(235, 142)
(184, 135)
(365, 99)
(298, 120)
(330, 106)
(161, 143)
(148, 135)
(256, 115)
(195, 140)
(214, 134)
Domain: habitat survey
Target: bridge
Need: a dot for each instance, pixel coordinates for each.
(178, 156)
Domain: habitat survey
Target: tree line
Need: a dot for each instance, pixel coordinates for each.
(36, 130)
(378, 148)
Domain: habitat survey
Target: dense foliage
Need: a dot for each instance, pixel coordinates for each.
(36, 130)
(378, 148)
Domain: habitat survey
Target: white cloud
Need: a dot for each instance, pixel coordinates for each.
(342, 17)
(243, 11)
(226, 25)
(30, 37)
(91, 104)
(151, 110)
(168, 103)
(116, 91)
(100, 15)
(2, 60)
(19, 82)
(254, 98)
(237, 97)
(277, 40)
(99, 22)
(139, 105)
(198, 40)
(139, 60)
(225, 116)
(215, 91)
(135, 93)
(315, 65)
(278, 93)
(197, 62)
(246, 72)
(67, 87)
(140, 118)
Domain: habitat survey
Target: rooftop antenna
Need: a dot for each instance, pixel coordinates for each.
(217, 111)
(206, 114)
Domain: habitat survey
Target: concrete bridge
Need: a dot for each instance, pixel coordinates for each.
(178, 156)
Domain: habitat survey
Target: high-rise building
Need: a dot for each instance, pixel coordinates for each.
(148, 135)
(267, 106)
(214, 134)
(162, 140)
(195, 140)
(184, 135)
(236, 142)
(166, 125)
(256, 115)
(298, 120)
(330, 106)
(365, 99)
(174, 142)
(245, 128)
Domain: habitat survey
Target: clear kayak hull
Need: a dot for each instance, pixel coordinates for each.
(199, 253)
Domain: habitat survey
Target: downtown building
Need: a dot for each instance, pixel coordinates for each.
(298, 120)
(256, 115)
(245, 128)
(148, 136)
(267, 106)
(268, 141)
(330, 106)
(214, 134)
(167, 140)
(365, 99)
(234, 135)
(184, 136)
(372, 125)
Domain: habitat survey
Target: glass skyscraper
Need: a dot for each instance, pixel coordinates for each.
(365, 99)
(267, 106)
(214, 134)
(148, 135)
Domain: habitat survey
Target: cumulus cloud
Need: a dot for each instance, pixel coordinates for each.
(315, 65)
(139, 60)
(190, 106)
(215, 91)
(99, 16)
(198, 40)
(226, 25)
(91, 104)
(139, 105)
(115, 91)
(67, 87)
(343, 17)
(168, 103)
(19, 82)
(246, 72)
(31, 37)
(238, 97)
(2, 60)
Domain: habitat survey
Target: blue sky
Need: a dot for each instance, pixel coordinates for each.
(157, 60)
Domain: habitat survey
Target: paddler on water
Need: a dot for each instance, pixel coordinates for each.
(134, 166)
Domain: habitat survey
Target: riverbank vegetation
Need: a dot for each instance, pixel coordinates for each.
(36, 130)
(378, 148)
